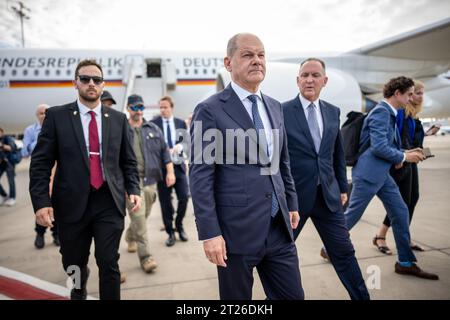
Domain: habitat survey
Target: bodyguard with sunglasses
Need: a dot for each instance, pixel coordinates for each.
(152, 157)
(96, 167)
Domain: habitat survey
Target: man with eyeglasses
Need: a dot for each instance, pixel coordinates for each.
(96, 169)
(169, 126)
(30, 137)
(152, 156)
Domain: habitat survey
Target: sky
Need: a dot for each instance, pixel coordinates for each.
(206, 25)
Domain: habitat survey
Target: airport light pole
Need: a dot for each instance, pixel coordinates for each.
(22, 12)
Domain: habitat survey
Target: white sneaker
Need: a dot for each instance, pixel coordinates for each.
(10, 202)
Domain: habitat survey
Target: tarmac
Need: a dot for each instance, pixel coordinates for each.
(184, 273)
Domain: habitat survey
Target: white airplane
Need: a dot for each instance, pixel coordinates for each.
(29, 77)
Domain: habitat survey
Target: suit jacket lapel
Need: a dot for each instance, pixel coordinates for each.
(235, 109)
(302, 122)
(105, 131)
(78, 128)
(325, 121)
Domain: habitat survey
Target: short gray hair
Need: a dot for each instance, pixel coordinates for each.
(232, 43)
(314, 59)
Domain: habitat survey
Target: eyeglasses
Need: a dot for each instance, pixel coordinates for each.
(87, 79)
(137, 108)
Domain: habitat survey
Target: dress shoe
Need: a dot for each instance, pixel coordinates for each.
(56, 241)
(123, 277)
(414, 270)
(324, 254)
(39, 242)
(183, 235)
(149, 265)
(171, 240)
(132, 246)
(80, 294)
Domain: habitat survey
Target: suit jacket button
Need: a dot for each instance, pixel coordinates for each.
(268, 195)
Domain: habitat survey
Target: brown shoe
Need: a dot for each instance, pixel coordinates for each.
(132, 246)
(414, 270)
(324, 254)
(149, 265)
(123, 277)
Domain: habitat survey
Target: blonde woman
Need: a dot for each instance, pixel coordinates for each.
(407, 178)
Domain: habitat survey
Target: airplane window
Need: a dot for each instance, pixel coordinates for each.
(213, 71)
(68, 72)
(2, 73)
(205, 71)
(119, 72)
(36, 72)
(58, 72)
(186, 71)
(14, 72)
(109, 72)
(47, 72)
(178, 71)
(25, 72)
(195, 71)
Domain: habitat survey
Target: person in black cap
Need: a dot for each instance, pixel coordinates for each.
(153, 158)
(107, 99)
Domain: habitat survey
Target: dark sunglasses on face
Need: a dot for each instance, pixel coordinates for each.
(137, 108)
(87, 79)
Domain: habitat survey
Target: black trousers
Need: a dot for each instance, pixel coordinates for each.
(333, 231)
(409, 189)
(104, 223)
(165, 199)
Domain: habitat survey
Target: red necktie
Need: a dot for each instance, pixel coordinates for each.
(94, 154)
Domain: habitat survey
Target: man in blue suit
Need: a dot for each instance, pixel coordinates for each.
(380, 147)
(318, 168)
(245, 209)
(169, 126)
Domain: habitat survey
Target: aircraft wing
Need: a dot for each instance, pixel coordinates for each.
(430, 42)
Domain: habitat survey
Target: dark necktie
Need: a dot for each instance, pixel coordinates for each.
(260, 126)
(96, 177)
(169, 136)
(313, 125)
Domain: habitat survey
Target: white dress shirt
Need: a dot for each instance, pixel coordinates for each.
(243, 96)
(85, 120)
(395, 113)
(305, 104)
(172, 130)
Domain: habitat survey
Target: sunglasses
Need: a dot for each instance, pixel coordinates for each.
(137, 108)
(87, 79)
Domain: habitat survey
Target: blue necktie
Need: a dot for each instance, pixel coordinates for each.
(313, 125)
(260, 126)
(169, 136)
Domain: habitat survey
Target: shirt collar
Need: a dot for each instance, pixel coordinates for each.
(393, 109)
(168, 119)
(84, 110)
(242, 93)
(305, 102)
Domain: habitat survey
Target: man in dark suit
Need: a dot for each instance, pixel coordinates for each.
(169, 126)
(318, 168)
(244, 201)
(96, 167)
(380, 144)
